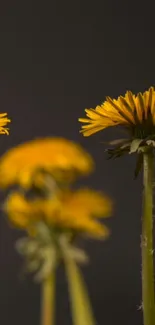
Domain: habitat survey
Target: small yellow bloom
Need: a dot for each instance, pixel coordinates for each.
(54, 155)
(3, 122)
(76, 211)
(135, 112)
(87, 202)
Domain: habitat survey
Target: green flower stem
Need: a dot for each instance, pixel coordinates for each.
(48, 300)
(81, 309)
(147, 243)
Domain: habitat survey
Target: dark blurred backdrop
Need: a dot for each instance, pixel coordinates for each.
(57, 58)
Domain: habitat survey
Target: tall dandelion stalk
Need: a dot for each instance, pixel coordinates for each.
(147, 242)
(136, 115)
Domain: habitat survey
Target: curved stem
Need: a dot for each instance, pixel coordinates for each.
(47, 302)
(147, 243)
(81, 308)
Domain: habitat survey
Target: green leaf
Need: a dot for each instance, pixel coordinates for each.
(125, 146)
(135, 145)
(139, 164)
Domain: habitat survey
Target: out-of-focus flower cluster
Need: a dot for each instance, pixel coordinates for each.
(44, 203)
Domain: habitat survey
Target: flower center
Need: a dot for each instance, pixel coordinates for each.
(145, 129)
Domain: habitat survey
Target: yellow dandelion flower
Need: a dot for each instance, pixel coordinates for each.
(136, 112)
(3, 122)
(54, 155)
(76, 211)
(86, 202)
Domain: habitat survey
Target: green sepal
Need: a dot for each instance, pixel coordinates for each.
(43, 253)
(118, 151)
(144, 148)
(151, 143)
(118, 142)
(135, 145)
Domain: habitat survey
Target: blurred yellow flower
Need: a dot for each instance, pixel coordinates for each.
(136, 112)
(76, 211)
(3, 122)
(60, 156)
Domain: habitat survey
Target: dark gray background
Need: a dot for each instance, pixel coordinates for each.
(57, 58)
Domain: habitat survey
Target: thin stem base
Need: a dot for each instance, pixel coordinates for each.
(47, 303)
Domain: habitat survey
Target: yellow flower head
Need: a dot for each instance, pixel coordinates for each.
(57, 156)
(134, 112)
(75, 211)
(3, 122)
